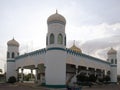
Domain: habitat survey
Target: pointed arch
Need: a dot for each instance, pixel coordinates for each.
(60, 39)
(8, 55)
(46, 40)
(115, 61)
(65, 40)
(52, 38)
(13, 55)
(112, 61)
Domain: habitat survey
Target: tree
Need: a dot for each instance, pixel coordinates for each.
(82, 77)
(28, 77)
(107, 78)
(92, 78)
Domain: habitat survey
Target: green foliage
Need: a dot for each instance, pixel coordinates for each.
(28, 77)
(82, 78)
(12, 79)
(107, 78)
(92, 78)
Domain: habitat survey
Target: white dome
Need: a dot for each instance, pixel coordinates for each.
(13, 42)
(56, 17)
(112, 51)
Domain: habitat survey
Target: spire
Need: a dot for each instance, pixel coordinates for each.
(13, 37)
(74, 43)
(56, 11)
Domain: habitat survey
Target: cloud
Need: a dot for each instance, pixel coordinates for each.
(99, 47)
(96, 40)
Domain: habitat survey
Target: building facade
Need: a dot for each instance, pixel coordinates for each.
(56, 65)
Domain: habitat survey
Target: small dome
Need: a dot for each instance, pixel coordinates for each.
(76, 49)
(56, 17)
(112, 51)
(13, 42)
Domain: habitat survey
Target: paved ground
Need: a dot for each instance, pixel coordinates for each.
(103, 87)
(21, 87)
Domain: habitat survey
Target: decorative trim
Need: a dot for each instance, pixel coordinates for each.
(10, 60)
(56, 48)
(56, 86)
(69, 51)
(43, 51)
(37, 52)
(55, 21)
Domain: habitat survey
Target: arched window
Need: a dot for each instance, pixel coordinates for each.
(115, 61)
(8, 55)
(13, 54)
(52, 38)
(65, 41)
(18, 53)
(112, 61)
(60, 39)
(47, 41)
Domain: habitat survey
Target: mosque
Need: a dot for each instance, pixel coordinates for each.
(56, 65)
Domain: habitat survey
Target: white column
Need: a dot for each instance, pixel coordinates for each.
(31, 74)
(36, 74)
(17, 71)
(41, 78)
(87, 73)
(22, 74)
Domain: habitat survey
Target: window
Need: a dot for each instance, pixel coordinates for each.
(115, 61)
(65, 41)
(13, 54)
(47, 41)
(60, 39)
(112, 61)
(8, 55)
(52, 38)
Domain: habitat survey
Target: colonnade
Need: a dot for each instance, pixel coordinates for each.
(75, 70)
(36, 74)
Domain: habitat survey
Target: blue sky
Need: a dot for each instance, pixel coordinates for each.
(94, 24)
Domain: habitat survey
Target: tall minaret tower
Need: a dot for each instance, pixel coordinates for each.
(112, 58)
(55, 63)
(12, 52)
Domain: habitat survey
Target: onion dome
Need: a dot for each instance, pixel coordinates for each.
(112, 51)
(56, 18)
(75, 48)
(13, 42)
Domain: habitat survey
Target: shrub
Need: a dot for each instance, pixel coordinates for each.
(107, 78)
(92, 78)
(12, 79)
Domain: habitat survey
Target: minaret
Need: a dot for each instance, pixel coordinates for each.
(112, 58)
(55, 61)
(12, 52)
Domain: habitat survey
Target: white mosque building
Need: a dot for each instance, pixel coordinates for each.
(56, 65)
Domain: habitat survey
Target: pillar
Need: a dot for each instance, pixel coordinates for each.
(31, 74)
(36, 75)
(22, 74)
